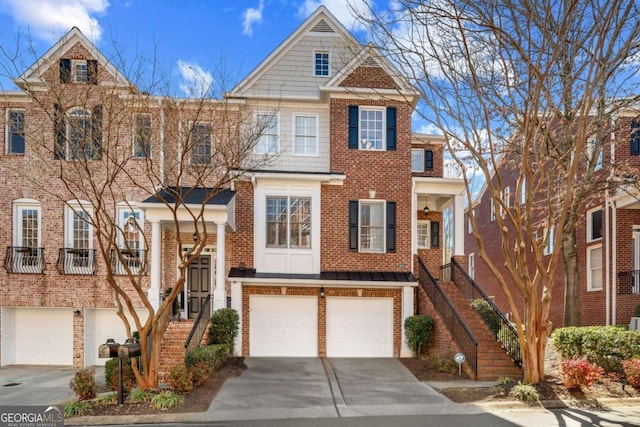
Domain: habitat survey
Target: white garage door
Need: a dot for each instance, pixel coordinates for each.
(283, 326)
(100, 325)
(359, 327)
(43, 336)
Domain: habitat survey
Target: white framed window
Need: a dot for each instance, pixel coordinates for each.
(523, 194)
(130, 239)
(288, 222)
(79, 135)
(548, 248)
(305, 134)
(372, 128)
(594, 268)
(80, 71)
(594, 224)
(472, 265)
(15, 131)
(268, 142)
(424, 234)
(371, 226)
(78, 238)
(506, 200)
(591, 148)
(417, 160)
(321, 64)
(492, 213)
(201, 142)
(469, 223)
(141, 136)
(27, 232)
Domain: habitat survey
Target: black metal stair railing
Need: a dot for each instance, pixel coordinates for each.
(501, 328)
(199, 327)
(452, 319)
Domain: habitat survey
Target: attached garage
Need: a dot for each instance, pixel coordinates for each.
(100, 325)
(37, 336)
(283, 326)
(359, 327)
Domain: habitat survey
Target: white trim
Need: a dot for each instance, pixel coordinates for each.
(590, 249)
(420, 151)
(589, 230)
(20, 205)
(472, 265)
(428, 223)
(191, 126)
(551, 237)
(7, 130)
(268, 151)
(373, 202)
(74, 74)
(313, 71)
(134, 130)
(314, 283)
(294, 134)
(369, 108)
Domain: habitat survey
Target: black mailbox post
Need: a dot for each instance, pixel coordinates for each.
(112, 349)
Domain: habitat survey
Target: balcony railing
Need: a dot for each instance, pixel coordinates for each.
(133, 261)
(452, 319)
(498, 324)
(629, 282)
(76, 261)
(20, 259)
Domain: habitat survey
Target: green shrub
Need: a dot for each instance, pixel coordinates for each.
(505, 383)
(166, 400)
(444, 363)
(606, 346)
(77, 408)
(200, 373)
(84, 384)
(140, 396)
(106, 398)
(632, 371)
(216, 356)
(417, 329)
(487, 314)
(525, 392)
(579, 372)
(224, 327)
(111, 374)
(180, 379)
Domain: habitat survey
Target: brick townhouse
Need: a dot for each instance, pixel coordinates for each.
(316, 249)
(607, 233)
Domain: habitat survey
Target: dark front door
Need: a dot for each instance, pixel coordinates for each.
(199, 282)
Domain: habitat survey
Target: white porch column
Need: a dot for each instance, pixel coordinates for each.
(407, 311)
(219, 292)
(458, 222)
(236, 304)
(156, 264)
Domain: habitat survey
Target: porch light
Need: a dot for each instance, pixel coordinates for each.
(322, 292)
(426, 210)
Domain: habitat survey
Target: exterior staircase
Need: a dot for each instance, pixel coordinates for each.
(493, 361)
(487, 359)
(173, 350)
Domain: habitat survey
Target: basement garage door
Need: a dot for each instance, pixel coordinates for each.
(359, 327)
(283, 326)
(100, 325)
(41, 336)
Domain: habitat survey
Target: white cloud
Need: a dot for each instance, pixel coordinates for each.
(50, 19)
(196, 82)
(341, 9)
(252, 16)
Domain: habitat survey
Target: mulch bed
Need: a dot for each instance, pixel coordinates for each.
(196, 401)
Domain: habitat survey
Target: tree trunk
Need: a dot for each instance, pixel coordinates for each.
(571, 295)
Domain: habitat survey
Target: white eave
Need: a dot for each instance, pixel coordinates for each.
(324, 178)
(435, 185)
(269, 281)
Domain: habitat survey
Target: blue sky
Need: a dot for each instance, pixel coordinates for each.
(192, 39)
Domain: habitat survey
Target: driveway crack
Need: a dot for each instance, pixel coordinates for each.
(334, 386)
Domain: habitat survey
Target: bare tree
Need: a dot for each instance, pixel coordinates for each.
(103, 147)
(519, 88)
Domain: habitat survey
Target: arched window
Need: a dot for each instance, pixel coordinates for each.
(78, 133)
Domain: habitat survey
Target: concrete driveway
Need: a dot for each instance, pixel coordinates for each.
(311, 387)
(39, 385)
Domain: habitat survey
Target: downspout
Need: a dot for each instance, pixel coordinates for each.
(611, 264)
(607, 257)
(414, 221)
(161, 141)
(614, 266)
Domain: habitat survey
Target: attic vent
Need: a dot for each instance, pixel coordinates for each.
(322, 27)
(370, 62)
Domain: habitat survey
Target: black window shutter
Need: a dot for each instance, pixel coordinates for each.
(353, 127)
(96, 132)
(59, 130)
(92, 71)
(428, 160)
(435, 234)
(391, 128)
(635, 137)
(65, 70)
(353, 225)
(391, 226)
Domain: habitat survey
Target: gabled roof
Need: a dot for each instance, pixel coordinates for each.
(321, 21)
(370, 56)
(33, 75)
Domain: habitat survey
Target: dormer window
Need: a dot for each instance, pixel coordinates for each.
(78, 71)
(322, 64)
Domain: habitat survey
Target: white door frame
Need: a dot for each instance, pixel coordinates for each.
(210, 251)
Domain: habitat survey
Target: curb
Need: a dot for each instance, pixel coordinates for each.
(559, 404)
